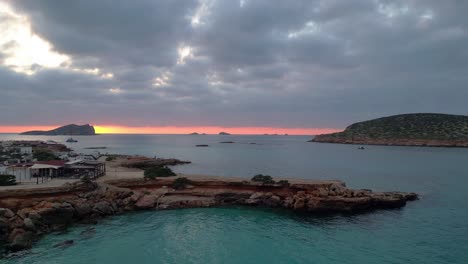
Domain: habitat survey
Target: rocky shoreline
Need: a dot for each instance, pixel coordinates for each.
(25, 215)
(390, 142)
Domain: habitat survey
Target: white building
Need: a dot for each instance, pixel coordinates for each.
(3, 169)
(81, 156)
(25, 150)
(21, 172)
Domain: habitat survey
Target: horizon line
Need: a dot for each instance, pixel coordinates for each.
(182, 130)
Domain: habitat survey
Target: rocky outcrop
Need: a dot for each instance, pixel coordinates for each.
(390, 142)
(71, 130)
(141, 162)
(26, 216)
(421, 129)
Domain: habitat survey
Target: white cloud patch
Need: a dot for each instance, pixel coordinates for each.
(115, 90)
(163, 80)
(202, 11)
(310, 27)
(24, 51)
(185, 52)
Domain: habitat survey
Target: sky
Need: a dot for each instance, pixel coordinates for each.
(247, 67)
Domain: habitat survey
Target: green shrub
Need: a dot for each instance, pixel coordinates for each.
(7, 180)
(153, 172)
(85, 179)
(283, 183)
(180, 183)
(44, 155)
(267, 179)
(111, 157)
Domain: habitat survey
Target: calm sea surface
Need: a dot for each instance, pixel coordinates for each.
(431, 230)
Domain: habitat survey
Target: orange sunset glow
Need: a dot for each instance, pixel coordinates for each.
(113, 129)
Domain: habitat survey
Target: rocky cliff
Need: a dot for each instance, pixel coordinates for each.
(71, 130)
(439, 130)
(27, 214)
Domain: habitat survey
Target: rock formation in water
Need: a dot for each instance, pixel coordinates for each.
(26, 214)
(69, 130)
(438, 130)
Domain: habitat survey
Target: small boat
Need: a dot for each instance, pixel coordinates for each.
(71, 140)
(361, 148)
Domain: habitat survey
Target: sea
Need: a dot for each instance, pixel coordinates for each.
(433, 229)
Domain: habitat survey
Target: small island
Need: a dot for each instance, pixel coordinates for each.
(223, 133)
(68, 130)
(420, 129)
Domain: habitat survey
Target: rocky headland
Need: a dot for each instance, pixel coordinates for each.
(423, 129)
(26, 214)
(69, 130)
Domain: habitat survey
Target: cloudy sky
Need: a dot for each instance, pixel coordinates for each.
(249, 65)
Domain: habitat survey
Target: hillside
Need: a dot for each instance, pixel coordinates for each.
(72, 130)
(422, 129)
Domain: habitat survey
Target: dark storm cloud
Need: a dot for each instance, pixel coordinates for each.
(266, 63)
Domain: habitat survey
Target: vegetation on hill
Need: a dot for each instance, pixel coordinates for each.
(181, 183)
(406, 127)
(267, 179)
(71, 130)
(44, 155)
(153, 172)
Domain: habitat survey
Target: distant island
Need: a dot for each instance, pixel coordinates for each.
(68, 130)
(420, 129)
(224, 133)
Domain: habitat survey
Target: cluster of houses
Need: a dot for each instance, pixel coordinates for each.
(18, 158)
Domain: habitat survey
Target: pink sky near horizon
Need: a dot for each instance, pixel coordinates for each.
(114, 129)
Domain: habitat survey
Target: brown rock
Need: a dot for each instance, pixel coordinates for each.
(57, 216)
(82, 208)
(103, 208)
(28, 223)
(3, 229)
(256, 195)
(322, 192)
(146, 202)
(136, 196)
(15, 222)
(7, 213)
(288, 202)
(34, 216)
(299, 203)
(20, 239)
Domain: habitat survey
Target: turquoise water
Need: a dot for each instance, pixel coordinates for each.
(431, 230)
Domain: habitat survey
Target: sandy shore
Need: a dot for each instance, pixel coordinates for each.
(51, 183)
(115, 171)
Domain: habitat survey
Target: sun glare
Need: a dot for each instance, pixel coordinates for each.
(23, 48)
(184, 52)
(111, 129)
